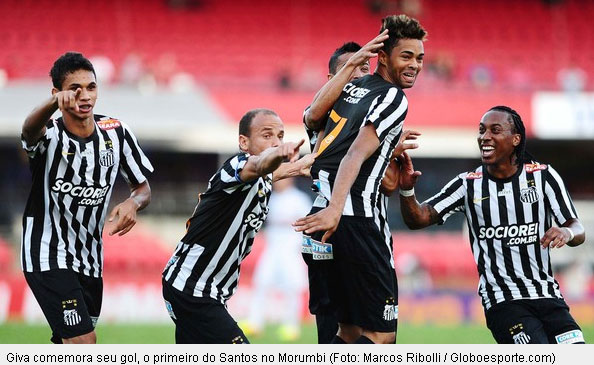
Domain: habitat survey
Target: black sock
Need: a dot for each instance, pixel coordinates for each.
(338, 340)
(364, 340)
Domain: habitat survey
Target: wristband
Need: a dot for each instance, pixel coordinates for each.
(410, 192)
(571, 234)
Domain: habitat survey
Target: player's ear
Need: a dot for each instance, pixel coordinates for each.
(55, 91)
(244, 143)
(517, 138)
(382, 57)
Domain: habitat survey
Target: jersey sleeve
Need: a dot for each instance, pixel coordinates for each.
(559, 201)
(449, 200)
(41, 145)
(387, 111)
(229, 176)
(135, 167)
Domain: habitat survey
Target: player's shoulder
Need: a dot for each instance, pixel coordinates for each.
(108, 123)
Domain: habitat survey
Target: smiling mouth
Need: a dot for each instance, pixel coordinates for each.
(85, 108)
(487, 151)
(409, 76)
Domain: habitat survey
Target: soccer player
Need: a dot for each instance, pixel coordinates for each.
(362, 131)
(348, 62)
(203, 272)
(509, 202)
(74, 162)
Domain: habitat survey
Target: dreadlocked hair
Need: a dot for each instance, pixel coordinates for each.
(522, 156)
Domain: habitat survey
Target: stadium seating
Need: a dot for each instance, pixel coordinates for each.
(223, 41)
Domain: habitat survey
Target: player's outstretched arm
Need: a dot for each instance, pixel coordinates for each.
(392, 175)
(328, 218)
(34, 125)
(125, 212)
(300, 167)
(329, 93)
(572, 234)
(415, 215)
(269, 160)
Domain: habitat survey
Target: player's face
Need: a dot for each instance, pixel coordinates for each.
(267, 130)
(405, 62)
(360, 71)
(85, 80)
(497, 138)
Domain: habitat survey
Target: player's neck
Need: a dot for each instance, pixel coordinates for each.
(79, 127)
(384, 74)
(502, 171)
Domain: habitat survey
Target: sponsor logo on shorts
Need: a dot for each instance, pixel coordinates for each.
(94, 321)
(106, 157)
(570, 337)
(170, 310)
(306, 245)
(529, 195)
(238, 340)
(321, 251)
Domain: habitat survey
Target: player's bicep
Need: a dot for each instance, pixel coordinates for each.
(248, 172)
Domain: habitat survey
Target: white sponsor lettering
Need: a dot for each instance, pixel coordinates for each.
(92, 195)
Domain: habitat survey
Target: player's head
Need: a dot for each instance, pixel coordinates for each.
(341, 55)
(72, 71)
(260, 129)
(401, 58)
(502, 137)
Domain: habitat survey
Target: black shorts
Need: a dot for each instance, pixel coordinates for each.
(200, 320)
(533, 321)
(361, 280)
(71, 302)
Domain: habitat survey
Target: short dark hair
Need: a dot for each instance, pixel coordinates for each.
(246, 121)
(401, 27)
(514, 118)
(349, 47)
(69, 62)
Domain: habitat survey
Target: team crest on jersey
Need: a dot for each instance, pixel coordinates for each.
(106, 157)
(71, 316)
(531, 167)
(474, 175)
(529, 195)
(108, 124)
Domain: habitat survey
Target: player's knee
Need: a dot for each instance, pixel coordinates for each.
(349, 333)
(88, 338)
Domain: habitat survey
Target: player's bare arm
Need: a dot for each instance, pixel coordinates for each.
(392, 175)
(415, 215)
(572, 234)
(300, 167)
(269, 160)
(328, 218)
(329, 93)
(34, 125)
(125, 212)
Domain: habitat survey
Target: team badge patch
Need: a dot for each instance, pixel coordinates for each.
(390, 310)
(71, 316)
(108, 124)
(529, 195)
(106, 157)
(518, 335)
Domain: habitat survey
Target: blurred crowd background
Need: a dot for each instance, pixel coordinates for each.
(182, 72)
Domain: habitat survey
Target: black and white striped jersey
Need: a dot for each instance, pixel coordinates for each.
(220, 233)
(506, 220)
(368, 100)
(72, 183)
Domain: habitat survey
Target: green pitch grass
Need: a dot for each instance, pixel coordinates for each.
(144, 333)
